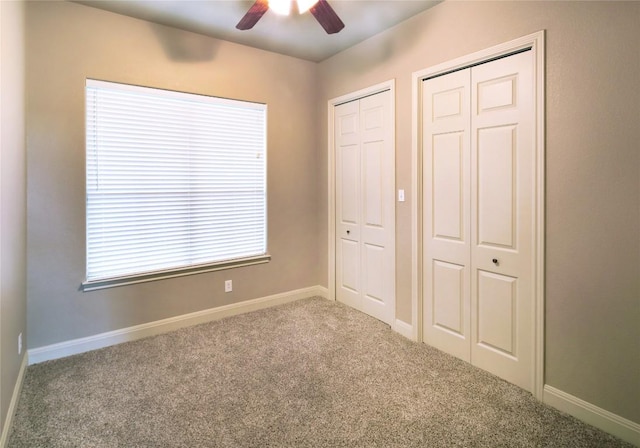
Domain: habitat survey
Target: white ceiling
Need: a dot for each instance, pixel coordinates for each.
(296, 35)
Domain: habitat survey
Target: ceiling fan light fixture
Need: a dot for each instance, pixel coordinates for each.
(282, 7)
(320, 9)
(305, 5)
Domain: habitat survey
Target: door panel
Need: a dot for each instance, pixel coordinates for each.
(448, 180)
(347, 149)
(497, 323)
(365, 205)
(373, 115)
(497, 199)
(373, 184)
(378, 229)
(374, 286)
(502, 183)
(350, 267)
(449, 103)
(448, 297)
(350, 161)
(446, 193)
(496, 93)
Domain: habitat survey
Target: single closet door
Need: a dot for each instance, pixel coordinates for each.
(479, 192)
(446, 211)
(365, 214)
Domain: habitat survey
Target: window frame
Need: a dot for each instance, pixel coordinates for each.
(179, 271)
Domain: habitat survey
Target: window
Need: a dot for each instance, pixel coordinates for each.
(176, 183)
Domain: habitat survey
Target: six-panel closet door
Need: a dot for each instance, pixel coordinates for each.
(365, 235)
(478, 210)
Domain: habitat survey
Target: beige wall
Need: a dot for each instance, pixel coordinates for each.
(592, 162)
(67, 43)
(13, 236)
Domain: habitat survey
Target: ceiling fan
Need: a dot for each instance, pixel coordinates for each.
(320, 9)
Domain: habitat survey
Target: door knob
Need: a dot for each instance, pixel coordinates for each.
(495, 261)
(348, 232)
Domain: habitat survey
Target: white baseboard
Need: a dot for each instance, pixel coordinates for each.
(75, 346)
(8, 422)
(323, 292)
(600, 418)
(404, 329)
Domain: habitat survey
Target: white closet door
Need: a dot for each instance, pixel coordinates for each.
(478, 223)
(365, 214)
(446, 234)
(502, 210)
(348, 204)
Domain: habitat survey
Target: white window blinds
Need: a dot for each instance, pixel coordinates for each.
(174, 180)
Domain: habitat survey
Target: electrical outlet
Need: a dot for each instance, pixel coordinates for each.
(228, 285)
(20, 344)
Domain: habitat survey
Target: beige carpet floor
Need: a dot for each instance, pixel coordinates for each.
(312, 373)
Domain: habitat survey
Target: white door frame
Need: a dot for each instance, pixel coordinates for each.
(331, 177)
(535, 42)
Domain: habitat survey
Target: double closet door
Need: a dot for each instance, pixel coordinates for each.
(478, 222)
(365, 213)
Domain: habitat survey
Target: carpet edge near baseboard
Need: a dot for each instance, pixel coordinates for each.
(591, 414)
(13, 404)
(102, 340)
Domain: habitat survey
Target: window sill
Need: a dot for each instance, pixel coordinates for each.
(92, 285)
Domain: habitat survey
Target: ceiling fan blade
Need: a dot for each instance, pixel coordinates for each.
(327, 17)
(253, 15)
